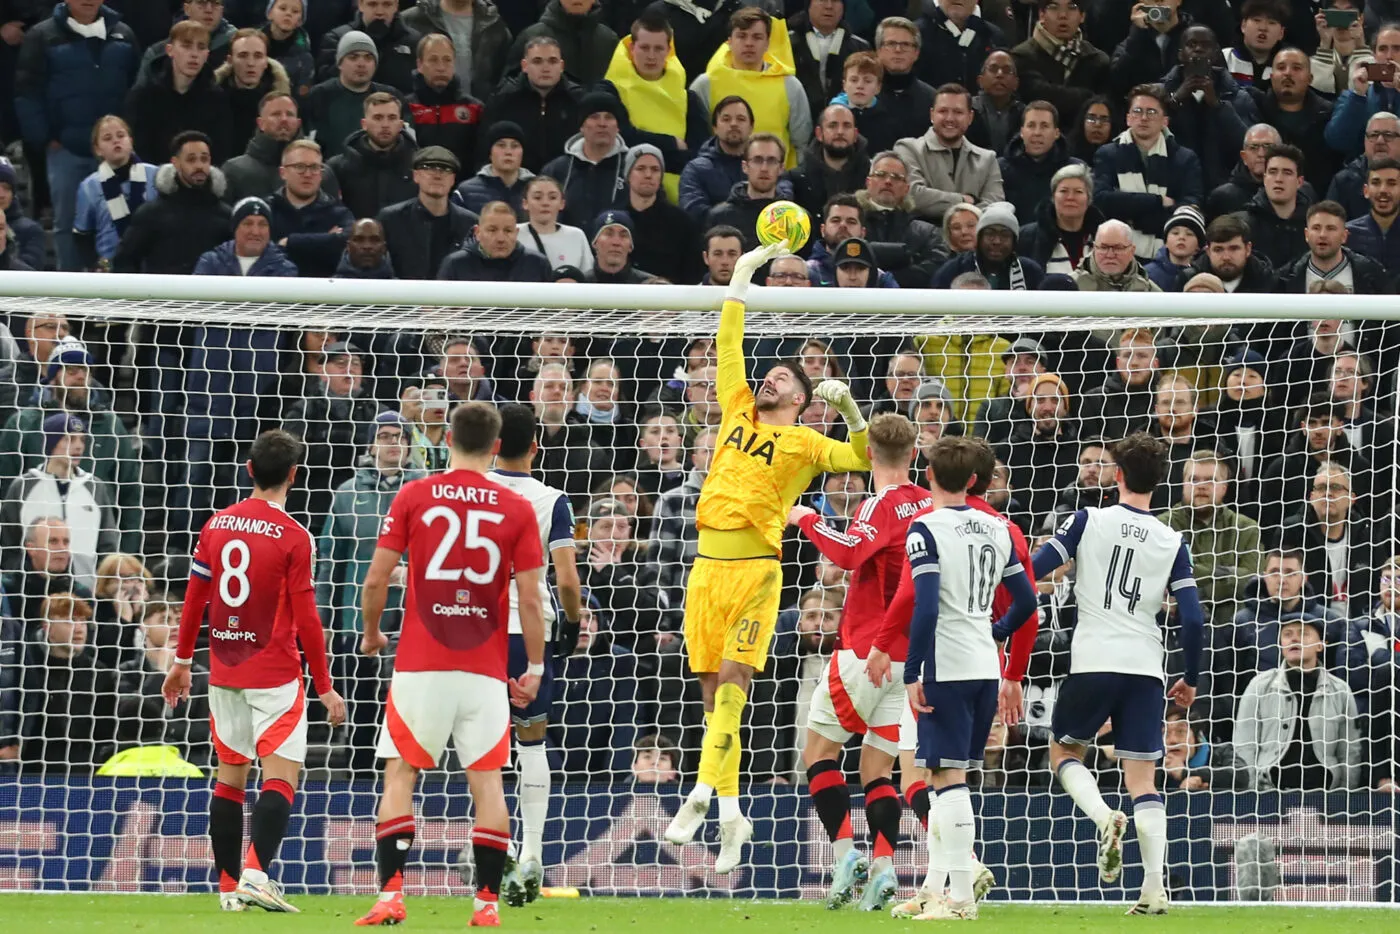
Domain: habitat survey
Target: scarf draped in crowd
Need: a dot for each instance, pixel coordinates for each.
(1015, 275)
(121, 204)
(1066, 53)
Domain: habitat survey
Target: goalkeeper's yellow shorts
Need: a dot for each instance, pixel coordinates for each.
(731, 611)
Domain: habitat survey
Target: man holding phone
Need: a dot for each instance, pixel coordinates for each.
(1372, 90)
(1211, 111)
(1341, 46)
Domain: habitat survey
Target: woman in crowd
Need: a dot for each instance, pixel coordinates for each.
(1095, 125)
(1249, 420)
(123, 586)
(561, 244)
(108, 197)
(960, 228)
(1065, 223)
(602, 410)
(661, 460)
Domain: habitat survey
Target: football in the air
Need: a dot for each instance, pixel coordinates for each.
(784, 220)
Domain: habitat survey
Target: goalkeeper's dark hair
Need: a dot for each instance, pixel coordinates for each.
(475, 427)
(954, 462)
(986, 466)
(518, 430)
(1142, 460)
(794, 367)
(272, 458)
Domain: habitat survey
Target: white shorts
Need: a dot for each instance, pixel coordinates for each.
(249, 723)
(426, 708)
(908, 728)
(846, 703)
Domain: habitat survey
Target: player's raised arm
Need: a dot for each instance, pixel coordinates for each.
(729, 342)
(854, 453)
(374, 596)
(1061, 547)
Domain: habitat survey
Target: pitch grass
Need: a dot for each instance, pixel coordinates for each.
(188, 914)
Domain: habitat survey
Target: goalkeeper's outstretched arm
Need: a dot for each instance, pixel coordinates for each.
(729, 342)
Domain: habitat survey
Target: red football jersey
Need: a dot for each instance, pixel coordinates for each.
(872, 548)
(258, 560)
(466, 536)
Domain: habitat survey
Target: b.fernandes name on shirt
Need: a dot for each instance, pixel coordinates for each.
(246, 526)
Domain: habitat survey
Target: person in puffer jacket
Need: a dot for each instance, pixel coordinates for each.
(251, 252)
(591, 168)
(718, 166)
(288, 43)
(502, 178)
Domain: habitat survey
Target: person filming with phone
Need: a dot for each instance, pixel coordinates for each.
(1152, 46)
(1341, 46)
(1372, 90)
(1211, 110)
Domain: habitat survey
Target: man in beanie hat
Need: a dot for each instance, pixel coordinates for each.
(108, 449)
(251, 252)
(665, 234)
(425, 230)
(61, 488)
(995, 257)
(585, 42)
(394, 44)
(540, 100)
(1183, 236)
(333, 108)
(347, 542)
(591, 168)
(502, 178)
(650, 81)
(443, 114)
(612, 247)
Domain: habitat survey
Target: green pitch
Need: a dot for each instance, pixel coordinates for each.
(80, 914)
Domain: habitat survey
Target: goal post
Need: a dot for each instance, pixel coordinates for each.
(1280, 417)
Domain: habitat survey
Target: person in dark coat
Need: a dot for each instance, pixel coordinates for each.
(821, 77)
(1247, 176)
(947, 56)
(708, 179)
(1300, 113)
(289, 43)
(366, 255)
(763, 166)
(246, 79)
(1057, 63)
(1124, 403)
(442, 113)
(307, 223)
(1229, 254)
(191, 202)
(502, 178)
(1277, 216)
(585, 42)
(334, 109)
(905, 99)
(179, 94)
(1062, 233)
(258, 171)
(424, 231)
(64, 83)
(612, 246)
(141, 710)
(1148, 51)
(908, 248)
(208, 15)
(1032, 159)
(836, 162)
(1317, 436)
(1333, 519)
(26, 235)
(541, 101)
(395, 42)
(1212, 127)
(376, 168)
(665, 235)
(591, 168)
(68, 711)
(1374, 234)
(995, 256)
(1382, 142)
(490, 36)
(1328, 258)
(494, 254)
(252, 240)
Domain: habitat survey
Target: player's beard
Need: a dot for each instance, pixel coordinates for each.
(768, 403)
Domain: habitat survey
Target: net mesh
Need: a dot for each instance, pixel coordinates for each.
(1282, 478)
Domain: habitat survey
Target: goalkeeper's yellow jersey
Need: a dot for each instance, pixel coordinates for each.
(758, 470)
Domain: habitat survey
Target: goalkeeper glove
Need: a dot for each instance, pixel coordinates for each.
(838, 395)
(748, 264)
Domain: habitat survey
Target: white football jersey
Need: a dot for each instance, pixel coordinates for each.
(1125, 559)
(971, 552)
(556, 520)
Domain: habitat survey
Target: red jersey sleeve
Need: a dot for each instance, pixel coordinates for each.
(393, 531)
(301, 587)
(869, 532)
(899, 613)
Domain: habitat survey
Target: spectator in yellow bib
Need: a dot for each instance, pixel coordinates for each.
(650, 81)
(756, 64)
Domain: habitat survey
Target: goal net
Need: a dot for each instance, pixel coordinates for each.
(126, 412)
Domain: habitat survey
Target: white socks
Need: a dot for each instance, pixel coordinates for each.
(701, 792)
(957, 825)
(1150, 819)
(1084, 789)
(840, 848)
(937, 879)
(533, 763)
(728, 808)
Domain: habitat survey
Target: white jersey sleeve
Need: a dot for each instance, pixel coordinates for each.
(555, 516)
(1125, 562)
(974, 554)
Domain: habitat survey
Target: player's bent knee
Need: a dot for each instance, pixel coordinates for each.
(737, 673)
(875, 763)
(235, 776)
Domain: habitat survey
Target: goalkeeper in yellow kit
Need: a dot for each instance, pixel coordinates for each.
(764, 461)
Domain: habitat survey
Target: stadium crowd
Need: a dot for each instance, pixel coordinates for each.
(1099, 145)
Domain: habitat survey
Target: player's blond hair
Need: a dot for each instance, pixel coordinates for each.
(892, 438)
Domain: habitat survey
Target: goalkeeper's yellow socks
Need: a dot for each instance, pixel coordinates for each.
(719, 755)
